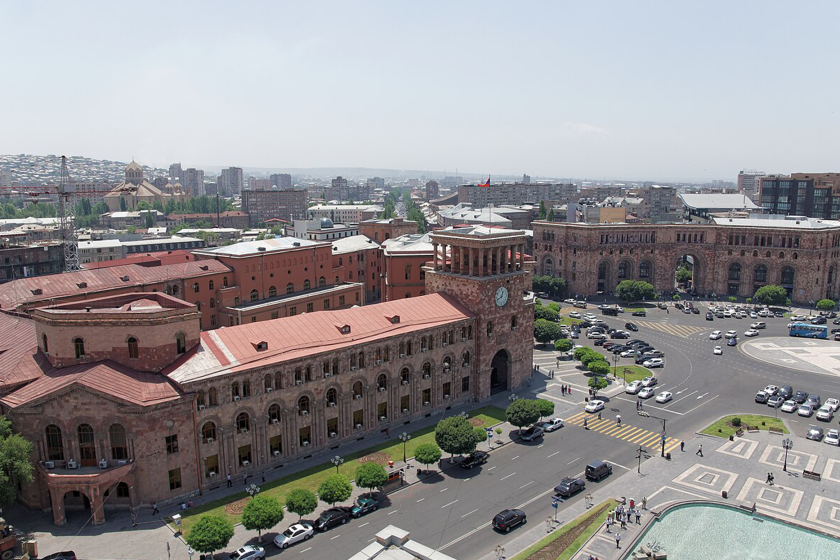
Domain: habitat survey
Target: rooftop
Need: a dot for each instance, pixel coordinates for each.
(353, 244)
(410, 243)
(247, 248)
(777, 221)
(717, 201)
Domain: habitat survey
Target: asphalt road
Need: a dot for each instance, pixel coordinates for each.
(452, 512)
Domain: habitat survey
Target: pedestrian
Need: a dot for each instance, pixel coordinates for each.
(682, 446)
(700, 451)
(569, 390)
(155, 509)
(263, 477)
(772, 479)
(599, 416)
(638, 517)
(609, 523)
(229, 481)
(387, 432)
(618, 419)
(585, 427)
(768, 479)
(133, 518)
(617, 540)
(245, 480)
(624, 520)
(644, 503)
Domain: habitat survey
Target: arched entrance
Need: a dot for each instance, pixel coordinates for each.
(687, 274)
(499, 372)
(75, 501)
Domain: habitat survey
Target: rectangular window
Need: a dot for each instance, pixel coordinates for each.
(292, 311)
(275, 314)
(326, 304)
(175, 479)
(340, 301)
(212, 320)
(309, 307)
(465, 384)
(172, 444)
(254, 319)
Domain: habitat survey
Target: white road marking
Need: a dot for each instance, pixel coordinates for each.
(703, 395)
(540, 445)
(393, 512)
(447, 505)
(515, 458)
(445, 489)
(470, 513)
(524, 485)
(507, 476)
(305, 549)
(552, 455)
(420, 500)
(572, 461)
(363, 524)
(698, 406)
(491, 468)
(335, 537)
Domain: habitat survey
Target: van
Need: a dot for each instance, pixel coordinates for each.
(759, 325)
(598, 470)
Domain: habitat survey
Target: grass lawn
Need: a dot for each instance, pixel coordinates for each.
(312, 477)
(634, 372)
(723, 427)
(568, 321)
(565, 541)
(634, 309)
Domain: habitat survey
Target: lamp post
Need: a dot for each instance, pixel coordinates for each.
(664, 436)
(404, 437)
(337, 461)
(787, 444)
(252, 490)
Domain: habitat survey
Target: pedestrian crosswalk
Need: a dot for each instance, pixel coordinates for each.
(625, 432)
(683, 331)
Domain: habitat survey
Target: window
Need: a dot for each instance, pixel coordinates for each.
(306, 284)
(326, 304)
(79, 346)
(335, 370)
(303, 405)
(644, 269)
(298, 376)
(513, 323)
(424, 344)
(787, 276)
(292, 311)
(195, 287)
(466, 358)
(382, 382)
(275, 314)
(212, 397)
(408, 272)
(272, 291)
(332, 396)
(427, 369)
(761, 273)
(45, 344)
(322, 282)
(309, 307)
(208, 431)
(489, 328)
(86, 445)
(246, 389)
(133, 351)
(55, 443)
(290, 288)
(404, 376)
(175, 479)
(212, 303)
(172, 444)
(210, 285)
(255, 295)
(198, 305)
(242, 421)
(735, 272)
(274, 413)
(465, 384)
(341, 301)
(180, 343)
(387, 354)
(119, 445)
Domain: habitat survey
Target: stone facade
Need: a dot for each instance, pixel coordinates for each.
(732, 258)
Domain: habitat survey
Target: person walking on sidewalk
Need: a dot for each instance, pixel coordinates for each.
(609, 523)
(155, 509)
(700, 451)
(229, 481)
(638, 517)
(618, 540)
(644, 503)
(682, 446)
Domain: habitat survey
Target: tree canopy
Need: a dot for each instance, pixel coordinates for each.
(771, 294)
(552, 285)
(563, 345)
(455, 435)
(370, 476)
(15, 466)
(598, 367)
(301, 501)
(826, 305)
(635, 290)
(546, 331)
(262, 513)
(427, 454)
(542, 312)
(210, 533)
(545, 407)
(523, 412)
(596, 383)
(336, 488)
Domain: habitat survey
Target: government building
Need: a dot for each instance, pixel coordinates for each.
(128, 401)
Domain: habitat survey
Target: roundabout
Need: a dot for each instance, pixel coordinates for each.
(812, 355)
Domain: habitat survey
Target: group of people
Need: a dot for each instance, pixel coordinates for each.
(623, 516)
(566, 389)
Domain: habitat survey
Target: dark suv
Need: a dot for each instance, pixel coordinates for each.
(333, 517)
(507, 519)
(800, 397)
(569, 486)
(785, 392)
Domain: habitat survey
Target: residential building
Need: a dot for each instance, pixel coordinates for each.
(194, 181)
(384, 229)
(815, 195)
(230, 181)
(261, 205)
(341, 190)
(227, 219)
(432, 190)
(345, 213)
(501, 216)
(136, 219)
(176, 174)
(259, 184)
(114, 249)
(359, 259)
(660, 201)
(322, 229)
(514, 193)
(25, 260)
(749, 182)
(281, 180)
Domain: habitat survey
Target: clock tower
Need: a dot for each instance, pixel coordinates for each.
(486, 270)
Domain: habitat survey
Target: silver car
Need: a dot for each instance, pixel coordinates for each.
(294, 534)
(815, 433)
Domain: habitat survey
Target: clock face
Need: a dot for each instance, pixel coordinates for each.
(501, 296)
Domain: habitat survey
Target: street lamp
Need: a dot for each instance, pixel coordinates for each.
(404, 437)
(253, 490)
(663, 420)
(787, 444)
(337, 461)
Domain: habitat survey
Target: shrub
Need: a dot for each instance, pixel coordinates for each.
(736, 422)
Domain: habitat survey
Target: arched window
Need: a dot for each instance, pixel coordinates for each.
(298, 376)
(213, 397)
(278, 381)
(332, 396)
(447, 364)
(212, 303)
(255, 295)
(45, 346)
(489, 328)
(402, 349)
(466, 358)
(234, 390)
(382, 382)
(735, 272)
(290, 288)
(357, 390)
(335, 370)
(623, 269)
(427, 369)
(361, 360)
(195, 287)
(548, 267)
(274, 413)
(242, 423)
(795, 256)
(133, 351)
(267, 382)
(208, 431)
(199, 399)
(760, 273)
(198, 305)
(55, 443)
(272, 291)
(787, 276)
(210, 285)
(246, 389)
(224, 282)
(119, 444)
(353, 361)
(180, 343)
(87, 446)
(513, 323)
(387, 354)
(404, 376)
(306, 284)
(644, 269)
(303, 405)
(175, 290)
(322, 282)
(336, 279)
(79, 346)
(424, 344)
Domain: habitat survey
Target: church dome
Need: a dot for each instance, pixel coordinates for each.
(326, 223)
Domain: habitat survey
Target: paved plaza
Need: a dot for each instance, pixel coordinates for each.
(816, 356)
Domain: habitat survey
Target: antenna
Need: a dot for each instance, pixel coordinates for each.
(67, 219)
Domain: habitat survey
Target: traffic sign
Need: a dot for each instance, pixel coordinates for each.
(554, 505)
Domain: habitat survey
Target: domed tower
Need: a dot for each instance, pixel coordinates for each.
(486, 270)
(326, 223)
(133, 173)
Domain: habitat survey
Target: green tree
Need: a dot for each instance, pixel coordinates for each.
(733, 299)
(370, 476)
(592, 356)
(676, 297)
(550, 217)
(598, 367)
(123, 206)
(209, 534)
(543, 312)
(558, 287)
(150, 222)
(826, 305)
(301, 501)
(582, 352)
(554, 306)
(542, 210)
(596, 383)
(546, 331)
(683, 275)
(99, 208)
(563, 345)
(15, 466)
(635, 290)
(455, 435)
(545, 407)
(522, 412)
(480, 434)
(770, 295)
(427, 454)
(143, 205)
(262, 513)
(158, 205)
(336, 488)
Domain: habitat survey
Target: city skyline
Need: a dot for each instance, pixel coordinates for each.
(651, 92)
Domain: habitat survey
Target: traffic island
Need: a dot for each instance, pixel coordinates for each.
(732, 425)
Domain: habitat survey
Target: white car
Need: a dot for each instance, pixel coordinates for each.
(731, 334)
(805, 410)
(753, 315)
(664, 397)
(771, 390)
(718, 351)
(634, 387)
(595, 335)
(751, 332)
(594, 406)
(790, 406)
(628, 354)
(727, 313)
(553, 424)
(294, 534)
(833, 403)
(570, 301)
(763, 313)
(619, 308)
(649, 381)
(247, 552)
(716, 335)
(759, 325)
(825, 413)
(647, 393)
(589, 316)
(654, 362)
(574, 315)
(832, 437)
(798, 318)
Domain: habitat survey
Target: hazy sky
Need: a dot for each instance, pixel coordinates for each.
(626, 89)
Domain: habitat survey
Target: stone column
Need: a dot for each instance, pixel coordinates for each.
(481, 262)
(522, 256)
(435, 253)
(57, 497)
(470, 257)
(96, 506)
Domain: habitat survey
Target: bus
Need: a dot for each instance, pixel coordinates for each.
(809, 331)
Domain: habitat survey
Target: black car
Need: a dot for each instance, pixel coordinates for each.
(800, 397)
(66, 555)
(569, 486)
(618, 349)
(780, 314)
(819, 320)
(695, 311)
(639, 314)
(836, 322)
(631, 327)
(333, 517)
(473, 459)
(531, 433)
(785, 392)
(732, 342)
(710, 316)
(600, 341)
(620, 335)
(507, 519)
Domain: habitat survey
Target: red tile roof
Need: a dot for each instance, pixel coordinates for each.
(19, 357)
(44, 288)
(107, 378)
(234, 348)
(155, 258)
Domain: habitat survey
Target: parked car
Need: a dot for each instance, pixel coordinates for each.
(569, 486)
(65, 555)
(805, 410)
(790, 406)
(775, 401)
(654, 363)
(825, 413)
(654, 354)
(786, 392)
(474, 459)
(634, 387)
(333, 517)
(832, 437)
(620, 334)
(631, 327)
(771, 390)
(716, 335)
(664, 397)
(647, 392)
(628, 353)
(507, 519)
(833, 403)
(718, 351)
(731, 334)
(649, 381)
(294, 534)
(800, 397)
(710, 316)
(574, 315)
(594, 406)
(813, 400)
(815, 433)
(552, 424)
(364, 506)
(531, 433)
(247, 552)
(598, 470)
(759, 325)
(761, 397)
